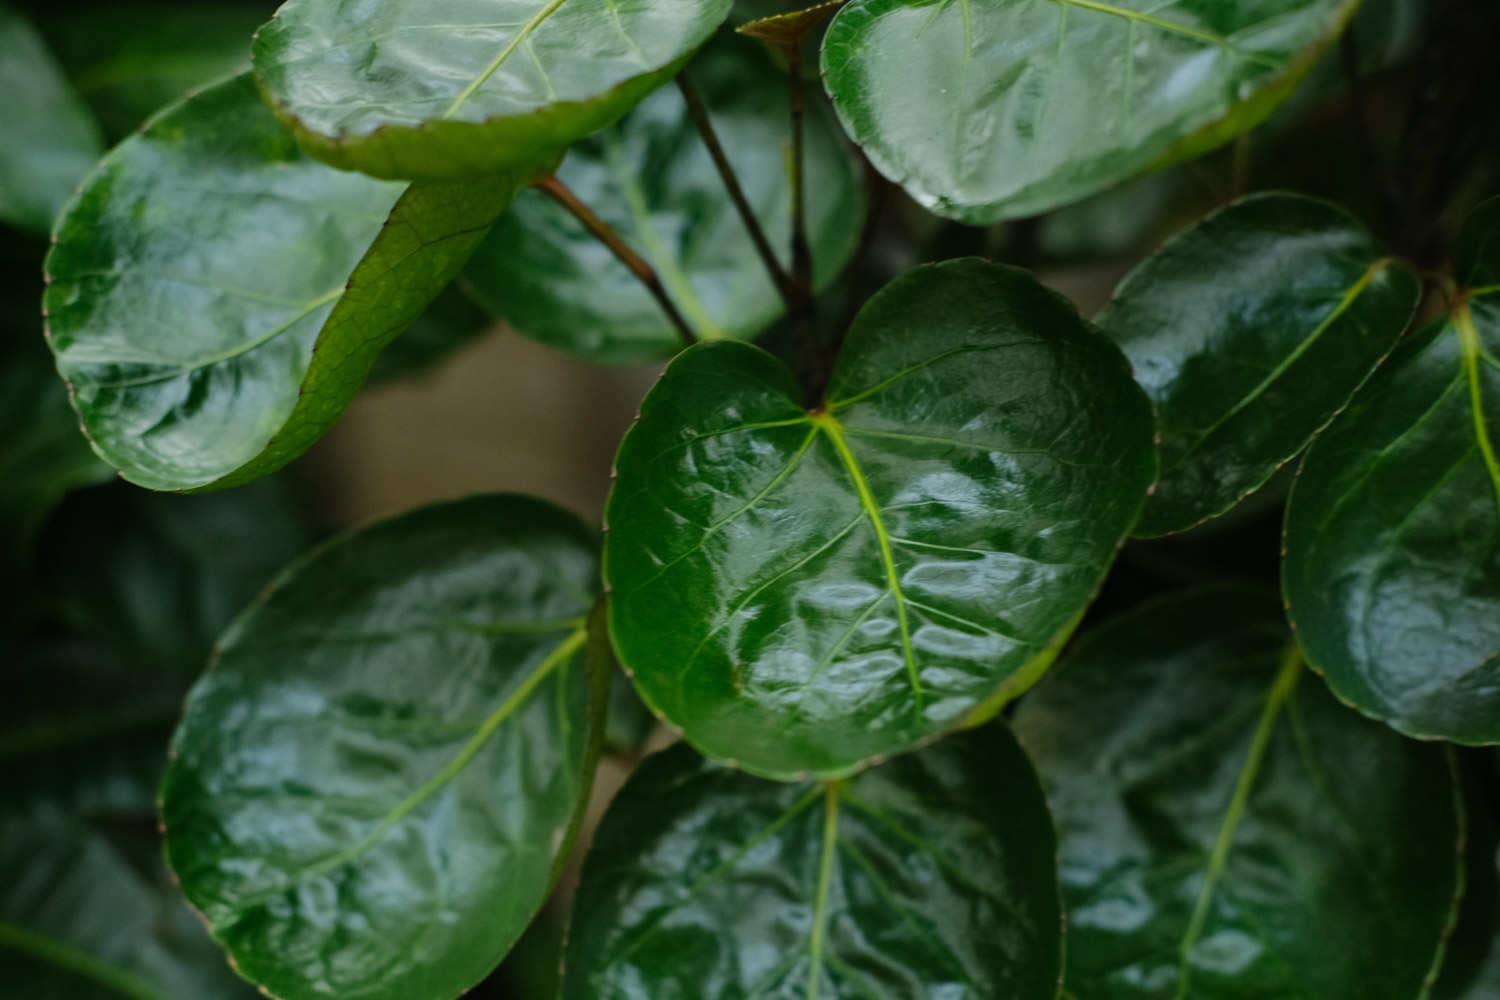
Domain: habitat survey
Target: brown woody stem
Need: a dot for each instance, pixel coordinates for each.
(638, 266)
(698, 112)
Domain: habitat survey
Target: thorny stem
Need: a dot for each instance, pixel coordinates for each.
(638, 266)
(698, 112)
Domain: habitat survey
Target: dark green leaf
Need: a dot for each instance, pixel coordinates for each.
(439, 89)
(651, 178)
(217, 297)
(156, 577)
(127, 60)
(87, 910)
(1227, 829)
(44, 456)
(808, 592)
(50, 139)
(997, 110)
(931, 876)
(377, 778)
(1392, 569)
(1250, 331)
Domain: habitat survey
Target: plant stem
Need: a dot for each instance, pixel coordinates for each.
(698, 112)
(638, 265)
(1364, 137)
(801, 252)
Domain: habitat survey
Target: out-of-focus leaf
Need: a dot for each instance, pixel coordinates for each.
(50, 139)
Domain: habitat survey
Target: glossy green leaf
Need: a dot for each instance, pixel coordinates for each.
(128, 60)
(1392, 568)
(807, 592)
(377, 778)
(931, 876)
(650, 177)
(87, 910)
(157, 577)
(1250, 331)
(217, 297)
(439, 89)
(1227, 829)
(50, 141)
(1008, 108)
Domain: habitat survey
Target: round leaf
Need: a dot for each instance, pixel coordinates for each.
(217, 297)
(1392, 568)
(1229, 830)
(1008, 108)
(50, 137)
(651, 178)
(932, 876)
(806, 592)
(1250, 331)
(439, 89)
(377, 778)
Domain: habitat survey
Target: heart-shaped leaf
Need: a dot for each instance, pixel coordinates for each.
(439, 89)
(50, 141)
(931, 876)
(806, 592)
(1227, 828)
(217, 297)
(378, 776)
(1250, 331)
(1392, 568)
(651, 178)
(1008, 108)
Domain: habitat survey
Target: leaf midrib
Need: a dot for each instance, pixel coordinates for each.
(559, 655)
(75, 960)
(1468, 336)
(1172, 27)
(1346, 301)
(527, 30)
(1281, 689)
(834, 431)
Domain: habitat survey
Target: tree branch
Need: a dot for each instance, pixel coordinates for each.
(698, 112)
(638, 266)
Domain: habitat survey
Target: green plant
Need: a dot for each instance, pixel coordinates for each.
(840, 565)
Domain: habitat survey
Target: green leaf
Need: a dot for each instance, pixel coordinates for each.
(1250, 331)
(50, 138)
(1227, 828)
(127, 60)
(87, 909)
(1009, 108)
(376, 780)
(1392, 568)
(438, 89)
(217, 297)
(807, 592)
(157, 577)
(931, 876)
(651, 178)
